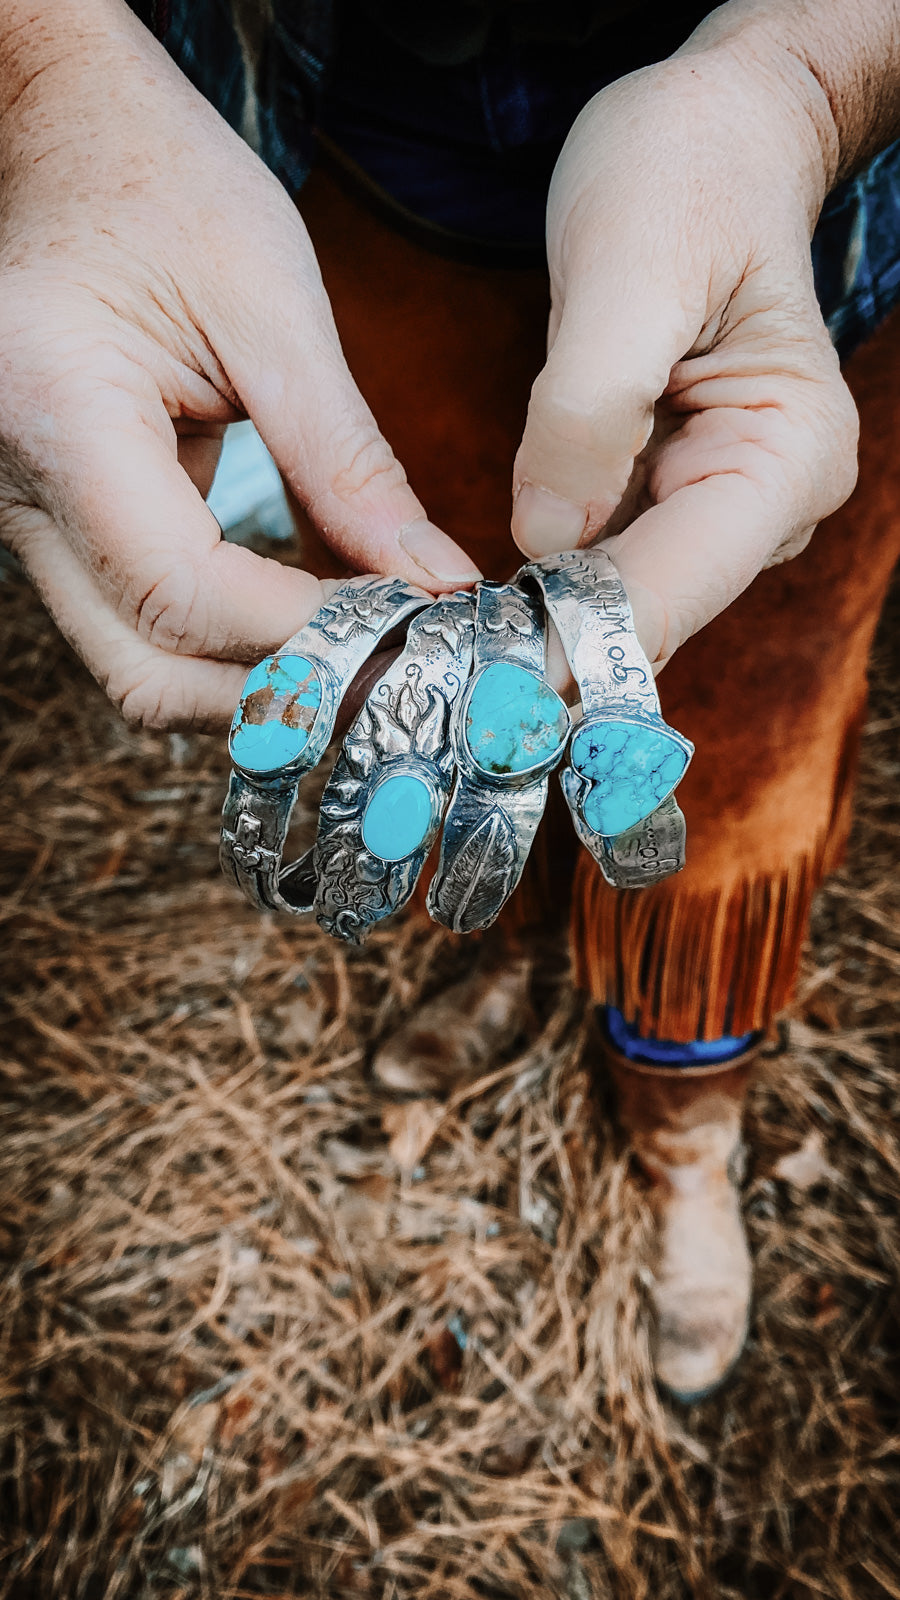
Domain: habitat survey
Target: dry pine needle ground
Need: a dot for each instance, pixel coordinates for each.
(269, 1329)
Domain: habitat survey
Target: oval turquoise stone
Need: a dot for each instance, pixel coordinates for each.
(631, 766)
(277, 709)
(514, 720)
(398, 817)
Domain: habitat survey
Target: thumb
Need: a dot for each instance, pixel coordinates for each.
(295, 384)
(591, 410)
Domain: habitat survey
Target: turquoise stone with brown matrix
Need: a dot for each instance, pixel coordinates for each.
(277, 709)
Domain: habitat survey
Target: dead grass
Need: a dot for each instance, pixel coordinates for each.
(269, 1329)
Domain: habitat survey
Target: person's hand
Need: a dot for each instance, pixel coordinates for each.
(692, 409)
(155, 283)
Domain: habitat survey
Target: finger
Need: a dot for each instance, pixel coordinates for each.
(678, 569)
(591, 409)
(737, 490)
(156, 549)
(726, 505)
(151, 687)
(287, 365)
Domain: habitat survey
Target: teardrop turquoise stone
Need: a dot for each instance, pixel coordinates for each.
(631, 766)
(514, 720)
(398, 816)
(276, 712)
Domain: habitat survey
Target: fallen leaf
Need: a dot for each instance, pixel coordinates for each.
(349, 1161)
(295, 1496)
(807, 1165)
(411, 1128)
(822, 1009)
(194, 1430)
(827, 1308)
(512, 1454)
(445, 1358)
(112, 864)
(238, 1414)
(299, 1022)
(362, 1216)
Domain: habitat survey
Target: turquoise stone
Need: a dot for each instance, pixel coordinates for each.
(631, 766)
(277, 709)
(398, 816)
(514, 720)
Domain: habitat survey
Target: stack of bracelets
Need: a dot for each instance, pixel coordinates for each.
(463, 730)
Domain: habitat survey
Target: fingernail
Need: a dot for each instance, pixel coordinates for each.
(436, 554)
(543, 524)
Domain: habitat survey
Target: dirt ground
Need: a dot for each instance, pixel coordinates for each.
(270, 1329)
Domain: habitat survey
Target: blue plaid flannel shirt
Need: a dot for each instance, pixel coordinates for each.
(856, 247)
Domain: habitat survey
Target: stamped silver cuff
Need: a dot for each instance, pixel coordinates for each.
(624, 759)
(384, 801)
(282, 727)
(509, 730)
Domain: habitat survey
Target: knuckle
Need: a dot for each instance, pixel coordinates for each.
(369, 464)
(565, 418)
(171, 615)
(17, 525)
(681, 622)
(834, 464)
(794, 545)
(145, 700)
(150, 692)
(590, 419)
(845, 457)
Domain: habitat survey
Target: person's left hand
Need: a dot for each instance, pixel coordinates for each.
(692, 409)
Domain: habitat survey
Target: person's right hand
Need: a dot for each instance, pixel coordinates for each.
(155, 283)
(692, 414)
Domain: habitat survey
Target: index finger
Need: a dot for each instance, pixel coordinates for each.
(155, 548)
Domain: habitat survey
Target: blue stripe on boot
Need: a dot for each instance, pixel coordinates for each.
(668, 1052)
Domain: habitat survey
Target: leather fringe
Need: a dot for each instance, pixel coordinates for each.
(688, 963)
(693, 966)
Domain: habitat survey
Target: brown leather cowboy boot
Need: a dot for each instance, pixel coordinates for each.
(684, 1125)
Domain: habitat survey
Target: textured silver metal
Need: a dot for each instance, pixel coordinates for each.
(337, 641)
(402, 729)
(491, 821)
(586, 600)
(643, 855)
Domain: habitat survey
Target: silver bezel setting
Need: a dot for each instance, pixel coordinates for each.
(319, 734)
(426, 774)
(336, 641)
(577, 786)
(402, 729)
(468, 762)
(586, 599)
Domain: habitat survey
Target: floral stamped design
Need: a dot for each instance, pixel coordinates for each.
(401, 737)
(363, 613)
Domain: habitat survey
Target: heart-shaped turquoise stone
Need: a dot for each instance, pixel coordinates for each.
(276, 712)
(631, 767)
(514, 720)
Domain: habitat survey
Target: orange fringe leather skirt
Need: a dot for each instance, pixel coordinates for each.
(772, 693)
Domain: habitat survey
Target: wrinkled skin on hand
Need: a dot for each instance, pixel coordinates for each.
(692, 411)
(156, 283)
